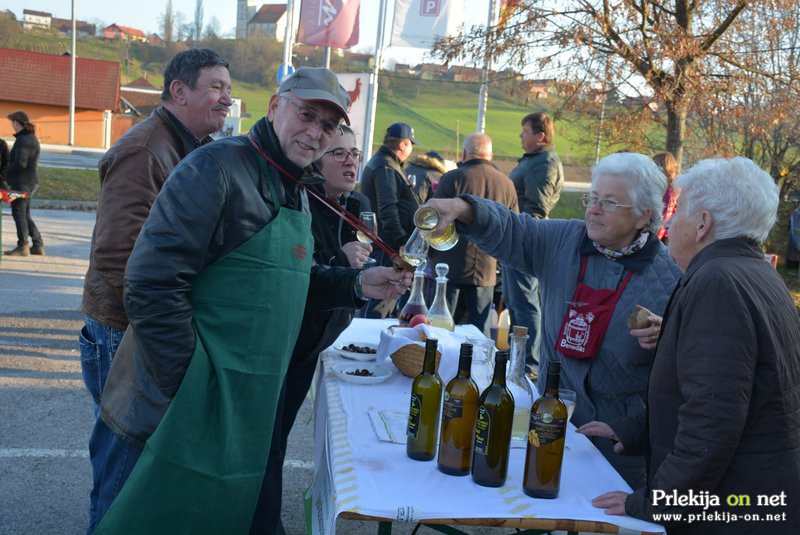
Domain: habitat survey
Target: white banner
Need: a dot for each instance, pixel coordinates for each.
(357, 85)
(417, 23)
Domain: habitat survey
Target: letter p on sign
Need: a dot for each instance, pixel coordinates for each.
(430, 8)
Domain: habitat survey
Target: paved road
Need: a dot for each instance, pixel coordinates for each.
(76, 160)
(45, 412)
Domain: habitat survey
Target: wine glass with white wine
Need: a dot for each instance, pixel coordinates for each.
(369, 220)
(415, 249)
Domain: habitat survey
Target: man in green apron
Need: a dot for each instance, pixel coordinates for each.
(214, 290)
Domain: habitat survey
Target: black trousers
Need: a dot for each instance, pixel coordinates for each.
(21, 212)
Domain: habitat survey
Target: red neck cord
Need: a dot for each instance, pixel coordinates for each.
(351, 219)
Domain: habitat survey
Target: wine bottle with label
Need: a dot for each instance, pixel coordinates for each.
(426, 403)
(546, 436)
(493, 428)
(458, 418)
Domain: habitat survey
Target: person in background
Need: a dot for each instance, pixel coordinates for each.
(594, 273)
(424, 172)
(538, 179)
(215, 289)
(3, 163)
(669, 166)
(195, 100)
(21, 175)
(723, 400)
(335, 244)
(392, 198)
(473, 274)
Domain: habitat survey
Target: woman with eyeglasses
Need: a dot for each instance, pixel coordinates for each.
(593, 275)
(723, 415)
(335, 244)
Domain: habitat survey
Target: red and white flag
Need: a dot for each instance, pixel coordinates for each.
(332, 23)
(418, 23)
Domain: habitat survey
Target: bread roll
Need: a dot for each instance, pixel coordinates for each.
(639, 320)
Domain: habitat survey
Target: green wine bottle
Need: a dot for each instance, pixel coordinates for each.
(458, 418)
(426, 402)
(548, 430)
(493, 429)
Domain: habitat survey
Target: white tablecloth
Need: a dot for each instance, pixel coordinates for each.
(356, 472)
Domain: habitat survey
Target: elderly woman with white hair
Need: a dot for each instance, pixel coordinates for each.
(723, 417)
(593, 274)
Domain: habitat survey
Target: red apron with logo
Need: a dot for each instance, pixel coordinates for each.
(587, 318)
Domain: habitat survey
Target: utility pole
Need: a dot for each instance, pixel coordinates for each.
(483, 98)
(372, 102)
(71, 140)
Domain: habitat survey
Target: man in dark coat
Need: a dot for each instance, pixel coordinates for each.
(392, 197)
(473, 274)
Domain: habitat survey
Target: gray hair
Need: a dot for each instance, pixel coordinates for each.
(647, 182)
(741, 197)
(478, 144)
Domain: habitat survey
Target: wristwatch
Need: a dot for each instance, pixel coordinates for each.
(358, 286)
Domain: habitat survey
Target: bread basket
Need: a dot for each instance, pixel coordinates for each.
(409, 359)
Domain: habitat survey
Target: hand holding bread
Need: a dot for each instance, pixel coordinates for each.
(645, 326)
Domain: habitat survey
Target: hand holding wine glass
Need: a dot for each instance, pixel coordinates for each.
(369, 220)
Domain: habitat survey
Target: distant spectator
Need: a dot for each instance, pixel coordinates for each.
(538, 179)
(3, 163)
(669, 165)
(392, 198)
(473, 274)
(424, 173)
(21, 175)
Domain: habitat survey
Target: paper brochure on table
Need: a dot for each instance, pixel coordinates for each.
(376, 478)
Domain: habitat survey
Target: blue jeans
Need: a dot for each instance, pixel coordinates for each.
(521, 294)
(98, 344)
(113, 459)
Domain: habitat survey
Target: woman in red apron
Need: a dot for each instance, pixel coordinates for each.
(592, 274)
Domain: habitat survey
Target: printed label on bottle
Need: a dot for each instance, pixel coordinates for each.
(483, 430)
(545, 429)
(413, 415)
(453, 407)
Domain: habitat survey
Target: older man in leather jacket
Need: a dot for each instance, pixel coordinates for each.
(215, 289)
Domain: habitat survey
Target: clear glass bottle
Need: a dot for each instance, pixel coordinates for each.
(426, 219)
(416, 302)
(439, 313)
(518, 383)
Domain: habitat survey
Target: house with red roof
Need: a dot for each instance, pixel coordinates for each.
(124, 33)
(38, 84)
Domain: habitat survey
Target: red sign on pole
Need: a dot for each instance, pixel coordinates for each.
(332, 23)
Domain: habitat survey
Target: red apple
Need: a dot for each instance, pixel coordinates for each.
(419, 318)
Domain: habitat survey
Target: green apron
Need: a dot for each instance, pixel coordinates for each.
(201, 470)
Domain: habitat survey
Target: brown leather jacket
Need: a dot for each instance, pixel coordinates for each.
(131, 175)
